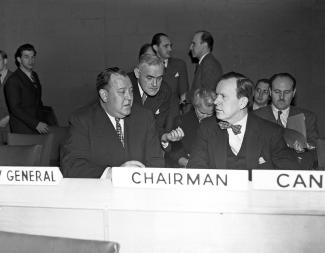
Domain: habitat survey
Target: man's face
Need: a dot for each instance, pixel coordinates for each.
(282, 92)
(164, 49)
(3, 63)
(118, 96)
(197, 47)
(150, 78)
(227, 105)
(261, 93)
(27, 60)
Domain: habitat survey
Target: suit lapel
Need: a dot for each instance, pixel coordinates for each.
(253, 145)
(220, 147)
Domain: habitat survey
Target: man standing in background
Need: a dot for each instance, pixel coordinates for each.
(175, 74)
(208, 70)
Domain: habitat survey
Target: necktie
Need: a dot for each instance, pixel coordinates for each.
(143, 98)
(278, 121)
(119, 130)
(234, 128)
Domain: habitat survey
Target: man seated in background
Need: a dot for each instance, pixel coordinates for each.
(203, 107)
(238, 139)
(152, 93)
(175, 74)
(111, 132)
(261, 94)
(283, 90)
(4, 114)
(23, 93)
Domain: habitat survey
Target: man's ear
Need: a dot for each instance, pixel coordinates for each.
(155, 48)
(103, 95)
(18, 59)
(294, 93)
(243, 101)
(137, 72)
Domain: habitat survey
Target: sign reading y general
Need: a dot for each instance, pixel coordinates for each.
(297, 180)
(19, 175)
(179, 178)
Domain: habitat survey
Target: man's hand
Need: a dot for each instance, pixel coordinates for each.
(42, 128)
(174, 135)
(4, 121)
(133, 163)
(298, 147)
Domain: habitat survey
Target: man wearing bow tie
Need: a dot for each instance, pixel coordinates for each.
(238, 139)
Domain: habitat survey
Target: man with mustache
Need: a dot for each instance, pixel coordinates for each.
(111, 132)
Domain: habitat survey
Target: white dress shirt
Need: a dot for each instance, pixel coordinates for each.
(236, 140)
(201, 59)
(284, 115)
(112, 119)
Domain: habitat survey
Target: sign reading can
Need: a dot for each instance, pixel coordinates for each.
(288, 180)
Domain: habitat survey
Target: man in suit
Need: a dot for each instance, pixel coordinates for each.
(283, 90)
(208, 70)
(4, 114)
(261, 93)
(151, 92)
(240, 140)
(111, 132)
(23, 93)
(175, 73)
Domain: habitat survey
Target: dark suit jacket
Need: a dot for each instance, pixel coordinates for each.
(207, 74)
(175, 76)
(93, 143)
(189, 123)
(23, 98)
(159, 104)
(263, 139)
(3, 107)
(310, 120)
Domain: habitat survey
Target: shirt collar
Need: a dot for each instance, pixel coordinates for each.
(201, 59)
(285, 112)
(140, 90)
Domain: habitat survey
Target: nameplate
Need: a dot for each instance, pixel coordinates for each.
(295, 180)
(179, 178)
(20, 175)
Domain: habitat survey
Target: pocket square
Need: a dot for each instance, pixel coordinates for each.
(157, 112)
(176, 75)
(261, 160)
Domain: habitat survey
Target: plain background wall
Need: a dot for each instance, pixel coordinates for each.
(76, 39)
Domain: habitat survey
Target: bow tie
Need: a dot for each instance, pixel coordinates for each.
(234, 128)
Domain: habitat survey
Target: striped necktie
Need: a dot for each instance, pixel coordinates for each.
(278, 121)
(119, 130)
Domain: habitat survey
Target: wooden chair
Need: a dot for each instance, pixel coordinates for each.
(18, 243)
(321, 152)
(20, 155)
(59, 136)
(32, 139)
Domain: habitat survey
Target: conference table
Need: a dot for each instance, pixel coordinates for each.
(168, 220)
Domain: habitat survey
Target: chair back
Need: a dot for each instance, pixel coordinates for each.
(321, 152)
(32, 139)
(59, 136)
(16, 243)
(20, 155)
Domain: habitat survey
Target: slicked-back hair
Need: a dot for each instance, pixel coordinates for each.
(150, 60)
(144, 48)
(104, 77)
(245, 86)
(203, 96)
(3, 54)
(284, 75)
(19, 52)
(207, 37)
(156, 39)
